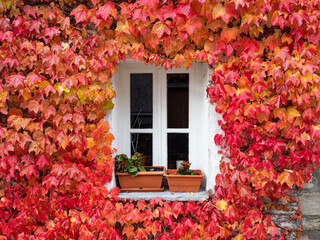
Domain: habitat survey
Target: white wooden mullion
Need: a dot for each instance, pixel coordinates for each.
(141, 130)
(162, 118)
(156, 123)
(178, 130)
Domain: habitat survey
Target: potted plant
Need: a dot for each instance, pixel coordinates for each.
(133, 177)
(184, 179)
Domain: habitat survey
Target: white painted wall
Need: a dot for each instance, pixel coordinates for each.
(207, 159)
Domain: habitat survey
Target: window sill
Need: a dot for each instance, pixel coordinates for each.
(166, 195)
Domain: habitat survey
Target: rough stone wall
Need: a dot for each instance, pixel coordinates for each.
(281, 215)
(310, 207)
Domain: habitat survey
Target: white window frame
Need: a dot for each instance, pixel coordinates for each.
(203, 153)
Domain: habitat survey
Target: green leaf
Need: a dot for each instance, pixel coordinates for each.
(132, 169)
(142, 169)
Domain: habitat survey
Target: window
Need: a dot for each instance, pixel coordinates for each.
(164, 114)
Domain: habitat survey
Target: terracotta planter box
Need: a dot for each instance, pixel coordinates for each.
(149, 181)
(184, 183)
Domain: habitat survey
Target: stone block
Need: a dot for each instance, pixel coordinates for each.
(309, 184)
(310, 203)
(311, 223)
(310, 235)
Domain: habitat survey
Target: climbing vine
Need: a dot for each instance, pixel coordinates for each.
(56, 62)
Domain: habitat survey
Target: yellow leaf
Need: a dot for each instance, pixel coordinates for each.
(3, 95)
(238, 237)
(124, 27)
(292, 112)
(91, 143)
(241, 90)
(221, 204)
(61, 88)
(81, 94)
(43, 84)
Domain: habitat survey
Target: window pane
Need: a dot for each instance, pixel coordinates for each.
(178, 148)
(178, 100)
(142, 143)
(141, 100)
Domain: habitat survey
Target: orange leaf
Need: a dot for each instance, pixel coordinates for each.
(287, 177)
(229, 34)
(161, 29)
(34, 106)
(221, 204)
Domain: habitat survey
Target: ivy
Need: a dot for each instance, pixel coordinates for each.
(56, 62)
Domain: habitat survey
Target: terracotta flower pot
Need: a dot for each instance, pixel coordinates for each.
(149, 181)
(184, 183)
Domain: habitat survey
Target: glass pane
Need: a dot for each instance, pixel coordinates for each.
(178, 148)
(178, 100)
(141, 100)
(142, 143)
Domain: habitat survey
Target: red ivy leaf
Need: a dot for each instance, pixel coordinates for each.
(50, 111)
(177, 230)
(106, 10)
(238, 3)
(50, 181)
(1, 132)
(115, 234)
(34, 106)
(16, 80)
(315, 132)
(149, 3)
(94, 2)
(31, 11)
(283, 53)
(188, 223)
(42, 161)
(29, 170)
(272, 230)
(192, 25)
(80, 13)
(27, 159)
(51, 32)
(33, 77)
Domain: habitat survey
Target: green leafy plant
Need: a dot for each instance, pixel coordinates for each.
(184, 169)
(130, 165)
